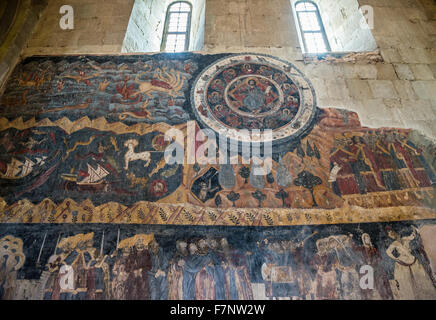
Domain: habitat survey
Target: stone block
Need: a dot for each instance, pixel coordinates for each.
(433, 69)
(392, 104)
(320, 88)
(383, 89)
(347, 70)
(323, 71)
(337, 88)
(359, 89)
(386, 72)
(425, 89)
(422, 71)
(415, 55)
(404, 89)
(417, 110)
(404, 72)
(375, 109)
(366, 71)
(90, 38)
(113, 38)
(391, 55)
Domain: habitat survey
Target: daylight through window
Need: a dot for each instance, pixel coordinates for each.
(311, 27)
(177, 27)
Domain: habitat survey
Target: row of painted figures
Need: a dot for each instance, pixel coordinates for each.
(377, 161)
(209, 268)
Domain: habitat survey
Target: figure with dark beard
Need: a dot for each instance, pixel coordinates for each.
(139, 265)
(157, 274)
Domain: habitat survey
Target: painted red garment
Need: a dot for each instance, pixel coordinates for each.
(326, 287)
(371, 183)
(53, 283)
(422, 176)
(345, 179)
(384, 160)
(139, 263)
(162, 84)
(90, 281)
(378, 179)
(175, 281)
(304, 279)
(363, 153)
(373, 258)
(406, 158)
(3, 167)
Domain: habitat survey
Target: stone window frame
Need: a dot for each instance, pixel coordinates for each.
(320, 22)
(166, 26)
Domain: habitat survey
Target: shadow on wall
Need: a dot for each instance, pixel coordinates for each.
(17, 19)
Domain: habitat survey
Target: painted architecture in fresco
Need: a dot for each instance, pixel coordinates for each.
(91, 209)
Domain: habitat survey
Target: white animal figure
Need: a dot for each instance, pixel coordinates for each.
(131, 155)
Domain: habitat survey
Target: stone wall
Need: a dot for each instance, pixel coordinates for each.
(147, 16)
(99, 28)
(342, 22)
(147, 21)
(400, 91)
(17, 20)
(82, 167)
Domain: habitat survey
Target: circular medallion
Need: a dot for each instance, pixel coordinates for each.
(254, 92)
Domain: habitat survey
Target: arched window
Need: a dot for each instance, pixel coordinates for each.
(311, 27)
(177, 27)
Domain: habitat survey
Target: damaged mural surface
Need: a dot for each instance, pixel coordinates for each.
(90, 208)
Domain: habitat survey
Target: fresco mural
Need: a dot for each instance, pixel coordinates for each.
(139, 90)
(88, 164)
(105, 261)
(90, 208)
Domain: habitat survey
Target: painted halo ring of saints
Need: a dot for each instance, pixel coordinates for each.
(254, 92)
